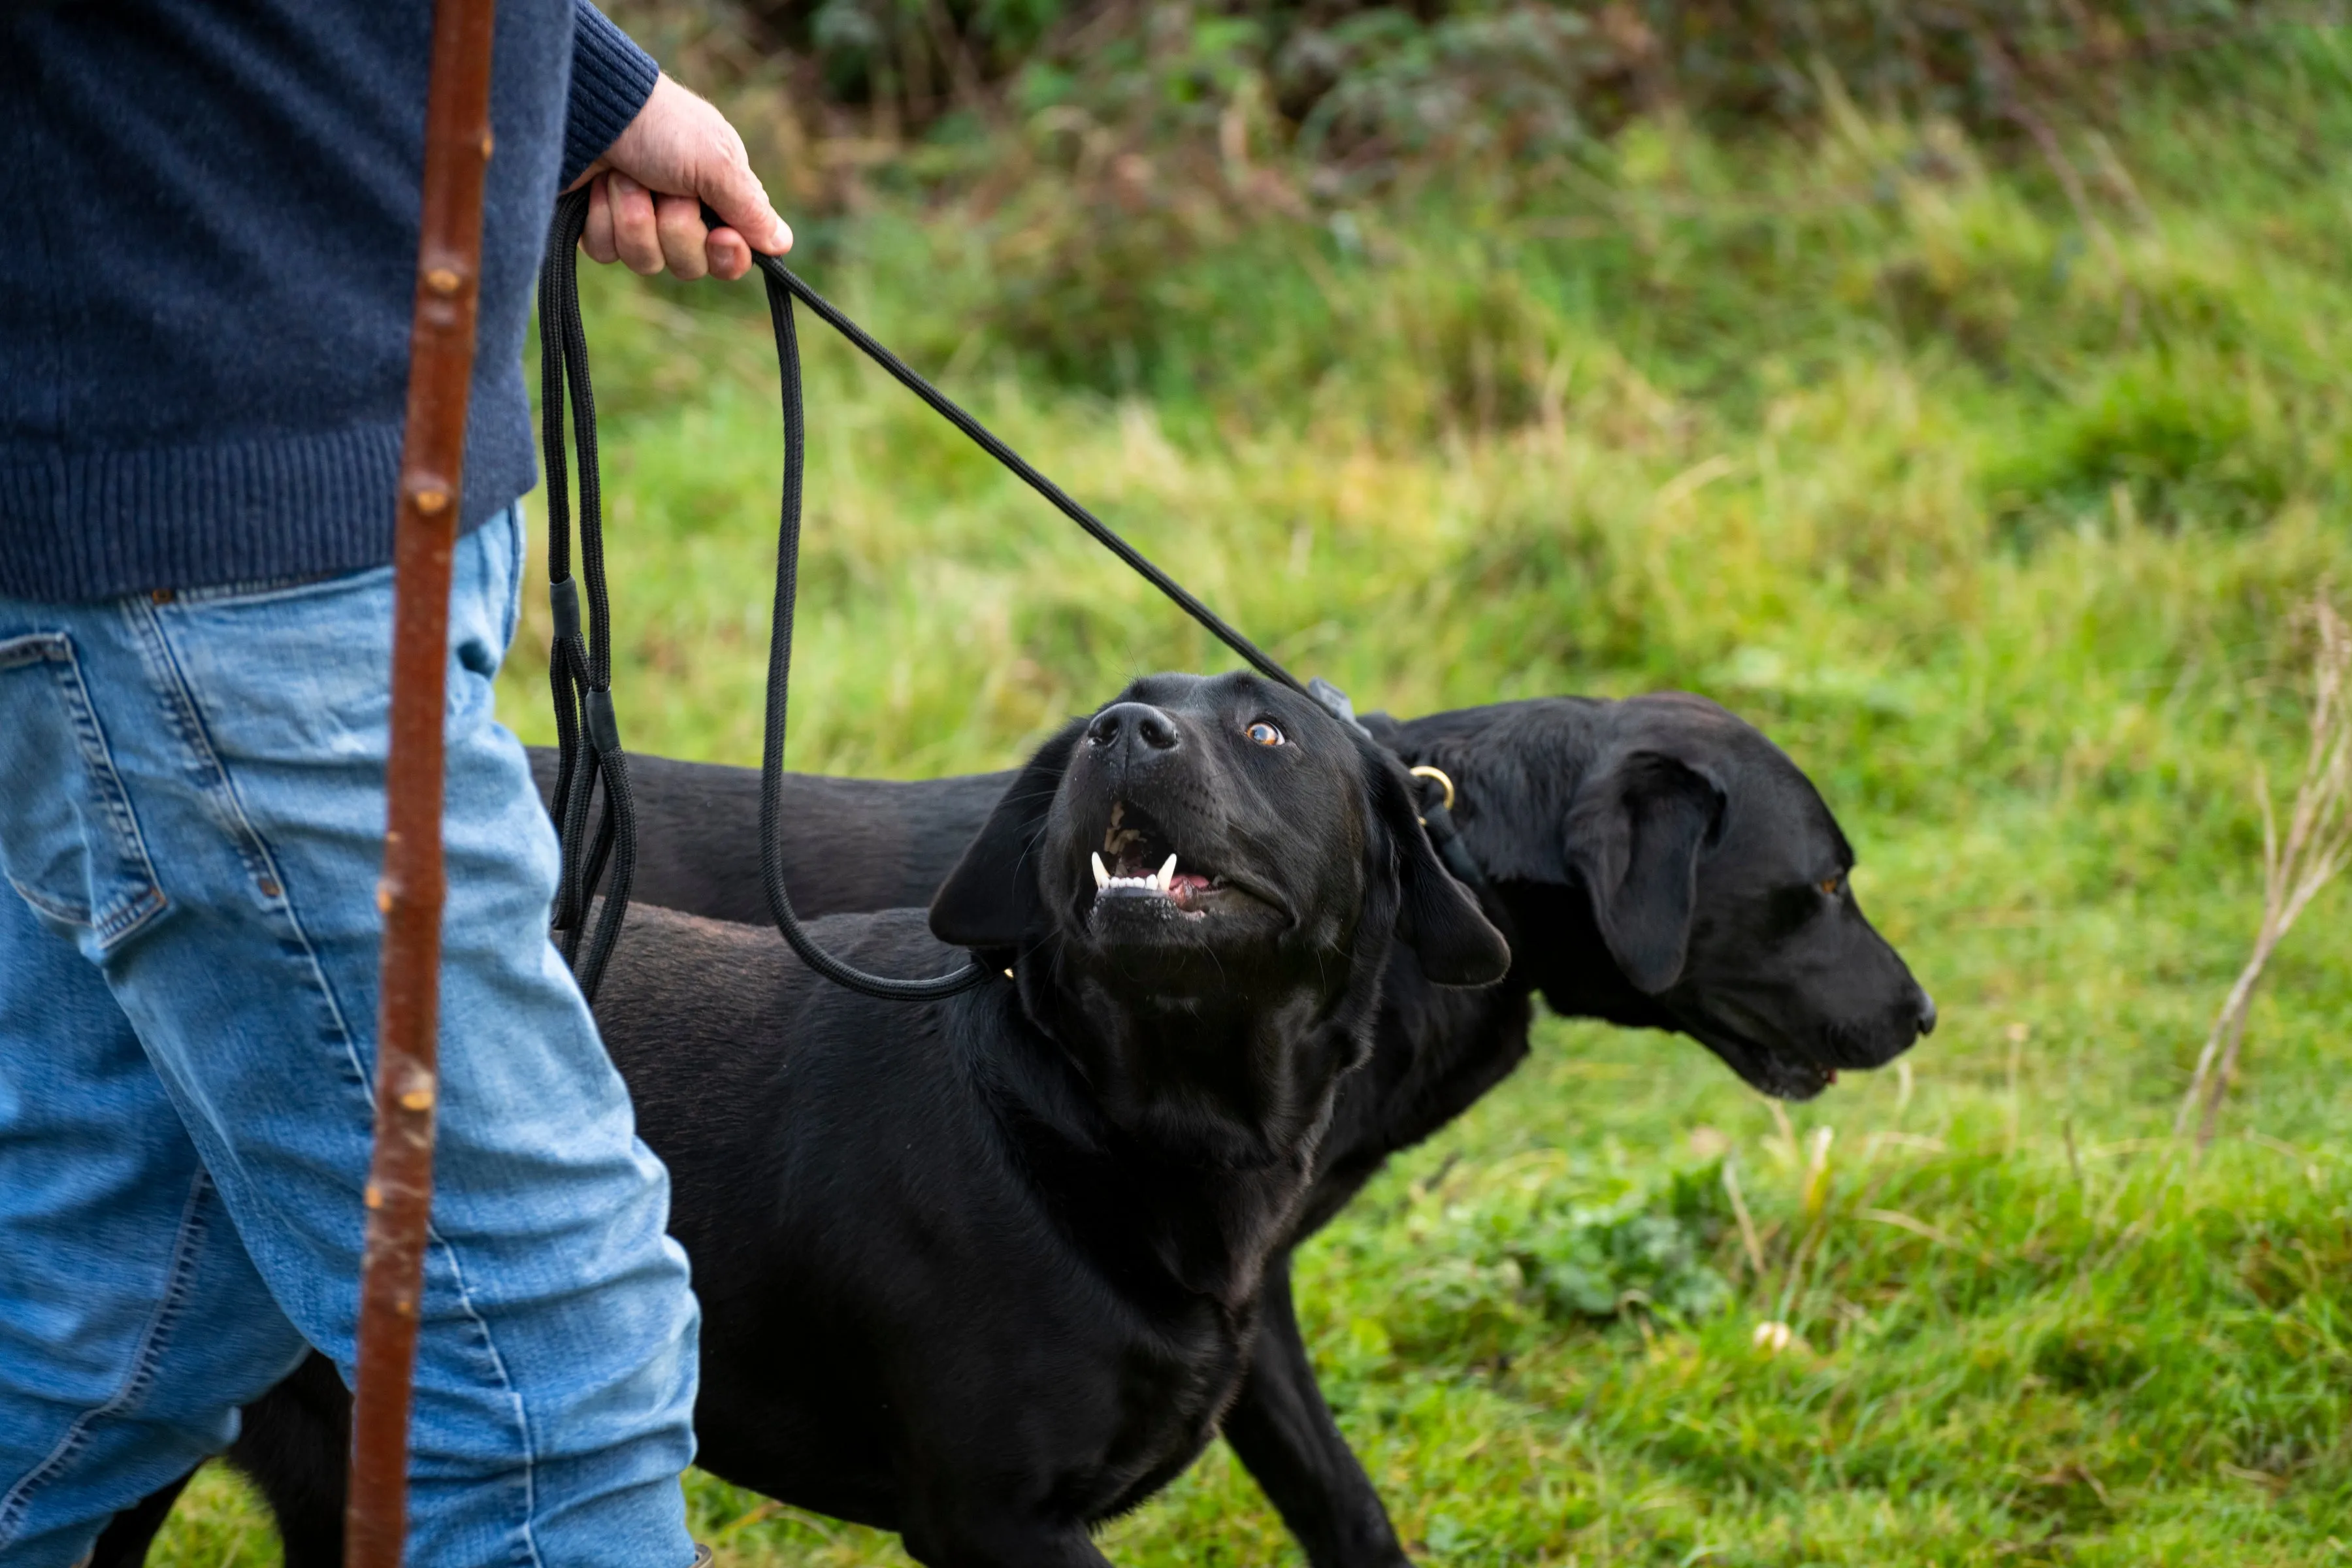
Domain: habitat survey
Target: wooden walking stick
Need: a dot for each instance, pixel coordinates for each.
(432, 473)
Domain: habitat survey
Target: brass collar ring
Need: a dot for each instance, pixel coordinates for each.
(1444, 783)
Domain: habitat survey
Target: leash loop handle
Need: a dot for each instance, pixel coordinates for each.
(779, 669)
(580, 667)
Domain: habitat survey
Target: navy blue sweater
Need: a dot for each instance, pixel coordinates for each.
(204, 303)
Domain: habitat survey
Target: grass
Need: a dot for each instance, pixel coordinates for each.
(1991, 504)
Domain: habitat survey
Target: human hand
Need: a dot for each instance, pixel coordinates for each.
(646, 207)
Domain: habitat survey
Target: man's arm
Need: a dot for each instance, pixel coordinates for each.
(665, 154)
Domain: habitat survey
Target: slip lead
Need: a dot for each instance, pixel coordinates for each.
(432, 462)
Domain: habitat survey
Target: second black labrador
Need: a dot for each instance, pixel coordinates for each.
(1656, 862)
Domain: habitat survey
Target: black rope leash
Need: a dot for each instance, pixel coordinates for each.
(783, 287)
(779, 669)
(581, 667)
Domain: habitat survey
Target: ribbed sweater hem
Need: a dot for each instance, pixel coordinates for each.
(190, 517)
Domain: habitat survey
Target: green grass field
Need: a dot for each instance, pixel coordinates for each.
(1991, 494)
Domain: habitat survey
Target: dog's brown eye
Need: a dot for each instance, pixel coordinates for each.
(1830, 885)
(1264, 733)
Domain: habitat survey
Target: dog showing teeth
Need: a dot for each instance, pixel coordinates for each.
(1122, 867)
(1162, 881)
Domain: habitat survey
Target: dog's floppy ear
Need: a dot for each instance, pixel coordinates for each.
(1436, 916)
(991, 898)
(1634, 835)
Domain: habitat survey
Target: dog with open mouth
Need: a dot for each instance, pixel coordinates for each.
(985, 1271)
(1656, 862)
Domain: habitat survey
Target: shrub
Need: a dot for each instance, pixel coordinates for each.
(1359, 83)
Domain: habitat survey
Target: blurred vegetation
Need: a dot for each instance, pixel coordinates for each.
(1360, 87)
(1984, 465)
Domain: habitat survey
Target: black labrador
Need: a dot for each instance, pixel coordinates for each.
(1656, 862)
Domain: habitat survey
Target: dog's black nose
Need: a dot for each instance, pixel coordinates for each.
(1139, 720)
(1926, 1014)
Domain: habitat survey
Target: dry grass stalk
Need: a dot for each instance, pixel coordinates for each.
(2317, 846)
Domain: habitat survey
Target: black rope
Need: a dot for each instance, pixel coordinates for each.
(779, 669)
(778, 276)
(581, 669)
(591, 765)
(783, 287)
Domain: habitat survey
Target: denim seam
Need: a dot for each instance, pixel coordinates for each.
(77, 916)
(153, 1341)
(55, 650)
(531, 1556)
(262, 590)
(32, 648)
(186, 720)
(106, 783)
(186, 716)
(517, 563)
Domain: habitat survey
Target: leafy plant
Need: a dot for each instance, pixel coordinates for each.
(1484, 1259)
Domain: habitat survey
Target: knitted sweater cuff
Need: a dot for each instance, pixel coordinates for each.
(611, 79)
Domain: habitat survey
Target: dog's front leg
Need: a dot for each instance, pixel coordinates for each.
(1285, 1434)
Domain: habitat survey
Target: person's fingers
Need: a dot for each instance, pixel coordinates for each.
(636, 235)
(596, 240)
(679, 220)
(729, 186)
(681, 147)
(729, 256)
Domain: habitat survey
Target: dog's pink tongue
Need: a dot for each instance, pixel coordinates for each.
(1186, 884)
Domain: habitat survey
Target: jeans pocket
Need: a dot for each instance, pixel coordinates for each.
(69, 841)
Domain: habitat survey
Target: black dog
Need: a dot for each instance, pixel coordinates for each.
(1656, 862)
(987, 1271)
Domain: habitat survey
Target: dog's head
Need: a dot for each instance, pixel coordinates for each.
(1715, 877)
(1205, 860)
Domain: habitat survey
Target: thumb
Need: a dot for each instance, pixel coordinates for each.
(735, 194)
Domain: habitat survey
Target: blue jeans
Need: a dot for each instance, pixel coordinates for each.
(192, 820)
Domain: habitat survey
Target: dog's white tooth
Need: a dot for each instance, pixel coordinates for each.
(1167, 877)
(1102, 877)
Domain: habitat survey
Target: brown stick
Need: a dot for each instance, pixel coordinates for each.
(431, 474)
